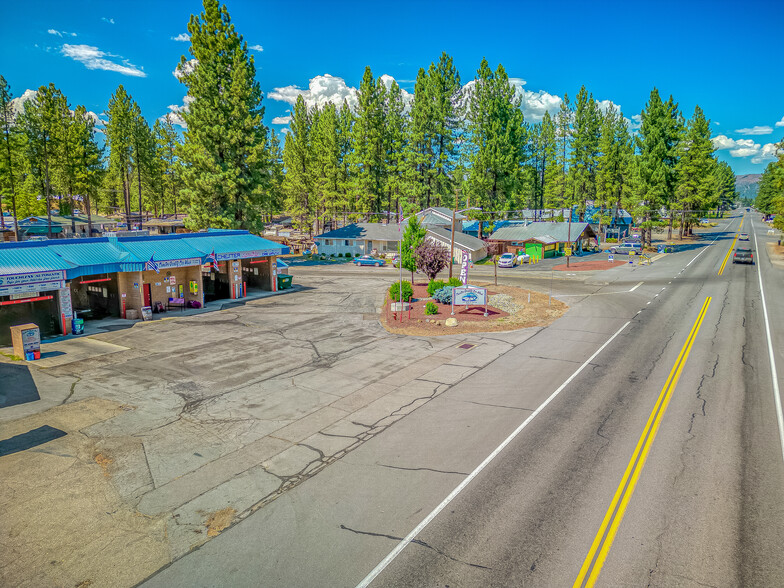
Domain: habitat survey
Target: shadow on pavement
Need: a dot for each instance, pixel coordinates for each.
(32, 438)
(18, 386)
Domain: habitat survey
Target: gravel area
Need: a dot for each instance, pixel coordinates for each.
(504, 302)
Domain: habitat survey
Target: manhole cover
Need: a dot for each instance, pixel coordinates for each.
(466, 346)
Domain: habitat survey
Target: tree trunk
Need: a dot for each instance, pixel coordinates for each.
(48, 199)
(669, 230)
(682, 227)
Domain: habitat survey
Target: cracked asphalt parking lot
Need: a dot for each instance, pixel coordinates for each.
(170, 422)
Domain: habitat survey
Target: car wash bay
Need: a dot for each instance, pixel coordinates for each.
(51, 282)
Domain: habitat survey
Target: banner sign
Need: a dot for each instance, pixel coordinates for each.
(36, 287)
(469, 296)
(32, 278)
(466, 261)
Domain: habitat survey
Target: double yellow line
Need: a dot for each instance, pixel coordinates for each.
(600, 548)
(726, 257)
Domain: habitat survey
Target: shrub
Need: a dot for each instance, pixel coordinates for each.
(431, 308)
(431, 258)
(394, 291)
(611, 240)
(444, 295)
(434, 285)
(454, 282)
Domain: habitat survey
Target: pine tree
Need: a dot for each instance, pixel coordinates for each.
(613, 182)
(655, 169)
(695, 190)
(497, 138)
(443, 93)
(10, 164)
(119, 138)
(224, 154)
(167, 146)
(585, 149)
(724, 180)
(297, 162)
(369, 154)
(41, 123)
(86, 156)
(556, 189)
(274, 200)
(346, 120)
(143, 155)
(325, 153)
(395, 137)
(418, 156)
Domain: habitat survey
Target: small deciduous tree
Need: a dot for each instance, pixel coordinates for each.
(413, 237)
(431, 258)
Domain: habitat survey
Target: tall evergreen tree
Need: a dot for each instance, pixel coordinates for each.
(497, 138)
(585, 149)
(42, 122)
(549, 156)
(167, 147)
(369, 154)
(695, 189)
(443, 92)
(120, 125)
(86, 156)
(395, 138)
(613, 172)
(556, 190)
(297, 184)
(10, 164)
(225, 144)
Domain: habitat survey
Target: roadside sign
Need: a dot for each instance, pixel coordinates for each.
(611, 258)
(567, 251)
(469, 296)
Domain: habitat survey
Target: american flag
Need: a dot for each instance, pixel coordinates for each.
(214, 260)
(152, 265)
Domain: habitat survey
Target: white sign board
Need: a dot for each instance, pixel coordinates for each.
(28, 288)
(469, 296)
(611, 258)
(32, 278)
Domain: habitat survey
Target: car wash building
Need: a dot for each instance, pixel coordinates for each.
(50, 282)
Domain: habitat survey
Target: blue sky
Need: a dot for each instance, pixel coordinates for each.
(724, 56)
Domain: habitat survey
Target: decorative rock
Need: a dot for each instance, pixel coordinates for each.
(438, 323)
(451, 322)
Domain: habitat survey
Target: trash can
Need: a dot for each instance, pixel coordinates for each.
(284, 281)
(77, 326)
(660, 248)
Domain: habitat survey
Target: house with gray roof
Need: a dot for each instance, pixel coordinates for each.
(475, 248)
(440, 217)
(544, 239)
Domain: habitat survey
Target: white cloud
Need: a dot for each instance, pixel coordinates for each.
(769, 152)
(746, 148)
(281, 120)
(781, 122)
(18, 103)
(60, 33)
(175, 111)
(94, 58)
(256, 48)
(186, 68)
(755, 130)
(636, 122)
(533, 103)
(321, 90)
(109, 20)
(181, 37)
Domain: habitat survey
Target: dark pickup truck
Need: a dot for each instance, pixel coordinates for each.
(743, 255)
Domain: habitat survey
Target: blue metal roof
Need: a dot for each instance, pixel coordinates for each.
(79, 257)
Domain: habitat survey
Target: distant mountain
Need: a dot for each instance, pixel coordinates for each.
(747, 185)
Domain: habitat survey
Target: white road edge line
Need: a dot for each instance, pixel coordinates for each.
(429, 518)
(773, 372)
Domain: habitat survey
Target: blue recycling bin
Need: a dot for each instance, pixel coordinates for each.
(77, 326)
(660, 248)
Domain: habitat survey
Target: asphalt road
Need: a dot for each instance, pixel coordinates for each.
(657, 459)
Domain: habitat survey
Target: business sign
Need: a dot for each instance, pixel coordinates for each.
(28, 288)
(32, 278)
(247, 254)
(466, 261)
(611, 258)
(174, 263)
(567, 251)
(469, 296)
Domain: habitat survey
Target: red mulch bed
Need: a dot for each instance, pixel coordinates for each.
(472, 313)
(581, 266)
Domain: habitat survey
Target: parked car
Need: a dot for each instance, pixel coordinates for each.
(523, 258)
(632, 239)
(369, 260)
(743, 237)
(743, 255)
(507, 260)
(626, 248)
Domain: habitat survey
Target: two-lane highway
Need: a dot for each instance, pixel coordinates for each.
(633, 442)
